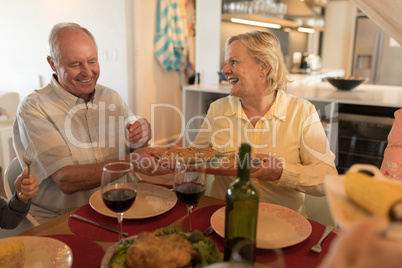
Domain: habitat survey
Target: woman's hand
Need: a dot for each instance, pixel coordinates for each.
(26, 187)
(139, 132)
(269, 169)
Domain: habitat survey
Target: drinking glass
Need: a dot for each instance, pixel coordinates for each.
(119, 189)
(189, 184)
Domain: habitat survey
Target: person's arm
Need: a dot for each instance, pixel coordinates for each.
(74, 178)
(316, 158)
(365, 246)
(13, 212)
(391, 165)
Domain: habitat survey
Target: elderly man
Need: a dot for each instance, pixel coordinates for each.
(72, 127)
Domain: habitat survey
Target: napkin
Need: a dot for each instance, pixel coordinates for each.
(132, 226)
(294, 255)
(86, 253)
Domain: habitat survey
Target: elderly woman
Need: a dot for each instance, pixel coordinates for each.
(284, 131)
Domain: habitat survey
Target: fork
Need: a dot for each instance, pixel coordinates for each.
(28, 156)
(317, 247)
(208, 231)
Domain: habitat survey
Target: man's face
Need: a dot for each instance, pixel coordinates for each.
(78, 69)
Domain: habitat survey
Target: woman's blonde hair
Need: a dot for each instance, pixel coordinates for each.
(265, 47)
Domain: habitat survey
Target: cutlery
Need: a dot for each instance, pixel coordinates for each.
(28, 156)
(317, 247)
(208, 231)
(104, 226)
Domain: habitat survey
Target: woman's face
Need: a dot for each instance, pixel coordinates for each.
(246, 76)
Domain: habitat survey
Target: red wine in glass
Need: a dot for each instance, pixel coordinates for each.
(119, 189)
(119, 200)
(189, 184)
(189, 193)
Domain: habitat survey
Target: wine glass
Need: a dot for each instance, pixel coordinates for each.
(119, 189)
(189, 184)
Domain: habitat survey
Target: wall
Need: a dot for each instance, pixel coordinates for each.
(153, 85)
(338, 36)
(124, 30)
(25, 26)
(208, 20)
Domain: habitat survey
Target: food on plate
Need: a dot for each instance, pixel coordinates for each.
(188, 154)
(12, 254)
(377, 196)
(166, 248)
(155, 249)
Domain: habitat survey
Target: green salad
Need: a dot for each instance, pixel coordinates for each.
(204, 246)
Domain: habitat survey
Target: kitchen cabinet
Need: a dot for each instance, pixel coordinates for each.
(260, 18)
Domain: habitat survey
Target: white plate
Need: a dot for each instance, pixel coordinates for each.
(44, 251)
(347, 213)
(277, 226)
(110, 251)
(158, 179)
(151, 200)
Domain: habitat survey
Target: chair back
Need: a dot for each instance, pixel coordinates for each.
(12, 172)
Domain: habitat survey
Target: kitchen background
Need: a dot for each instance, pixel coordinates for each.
(125, 31)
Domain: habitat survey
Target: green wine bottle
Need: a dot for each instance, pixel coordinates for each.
(241, 208)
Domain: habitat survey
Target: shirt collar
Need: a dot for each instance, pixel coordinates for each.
(278, 109)
(70, 99)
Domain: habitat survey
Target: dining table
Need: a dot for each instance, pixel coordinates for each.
(89, 243)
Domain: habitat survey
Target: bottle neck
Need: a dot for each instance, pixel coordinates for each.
(243, 170)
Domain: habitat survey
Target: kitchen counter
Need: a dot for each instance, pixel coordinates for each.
(314, 76)
(365, 94)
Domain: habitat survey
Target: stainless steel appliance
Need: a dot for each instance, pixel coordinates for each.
(362, 134)
(376, 55)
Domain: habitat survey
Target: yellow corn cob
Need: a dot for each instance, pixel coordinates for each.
(10, 252)
(378, 197)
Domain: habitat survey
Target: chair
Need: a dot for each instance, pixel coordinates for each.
(317, 209)
(10, 175)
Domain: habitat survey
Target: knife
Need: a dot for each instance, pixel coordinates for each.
(104, 226)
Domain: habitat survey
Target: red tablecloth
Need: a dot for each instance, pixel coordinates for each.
(295, 256)
(86, 253)
(133, 227)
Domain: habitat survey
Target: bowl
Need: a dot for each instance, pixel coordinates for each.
(345, 83)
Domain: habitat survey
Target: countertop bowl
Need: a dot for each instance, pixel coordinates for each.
(345, 83)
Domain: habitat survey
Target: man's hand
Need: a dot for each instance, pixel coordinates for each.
(26, 187)
(145, 160)
(139, 132)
